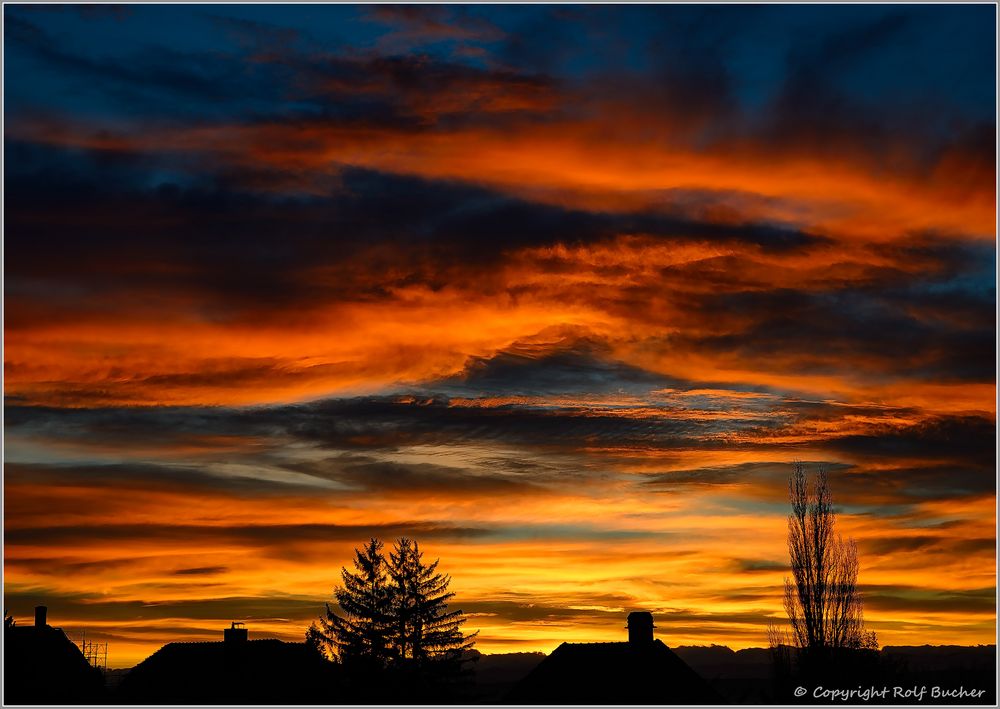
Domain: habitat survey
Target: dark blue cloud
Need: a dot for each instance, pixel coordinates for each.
(902, 56)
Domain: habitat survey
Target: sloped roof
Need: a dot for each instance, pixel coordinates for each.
(42, 665)
(613, 673)
(253, 671)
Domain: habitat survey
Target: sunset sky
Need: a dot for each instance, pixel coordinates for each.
(561, 292)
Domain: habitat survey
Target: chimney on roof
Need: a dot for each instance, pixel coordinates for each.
(235, 633)
(640, 628)
(40, 612)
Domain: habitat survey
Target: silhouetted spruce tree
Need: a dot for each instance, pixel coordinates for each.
(394, 634)
(427, 637)
(359, 636)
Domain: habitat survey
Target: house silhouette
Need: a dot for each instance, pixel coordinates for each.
(236, 670)
(43, 666)
(640, 671)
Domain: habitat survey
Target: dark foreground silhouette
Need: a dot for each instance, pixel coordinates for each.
(749, 676)
(230, 672)
(42, 666)
(640, 671)
(392, 630)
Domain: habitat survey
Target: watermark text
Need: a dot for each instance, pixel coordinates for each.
(872, 693)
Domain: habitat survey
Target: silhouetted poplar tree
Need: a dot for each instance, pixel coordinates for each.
(822, 600)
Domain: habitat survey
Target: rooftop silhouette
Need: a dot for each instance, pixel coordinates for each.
(642, 670)
(235, 670)
(42, 665)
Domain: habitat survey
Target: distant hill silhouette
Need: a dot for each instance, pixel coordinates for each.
(494, 675)
(937, 658)
(741, 676)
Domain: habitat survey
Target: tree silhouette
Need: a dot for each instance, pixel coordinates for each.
(425, 631)
(359, 637)
(828, 639)
(394, 633)
(822, 601)
(8, 620)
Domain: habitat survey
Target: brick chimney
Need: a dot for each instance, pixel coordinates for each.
(640, 628)
(40, 612)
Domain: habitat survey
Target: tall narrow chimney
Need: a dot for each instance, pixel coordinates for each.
(640, 628)
(40, 612)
